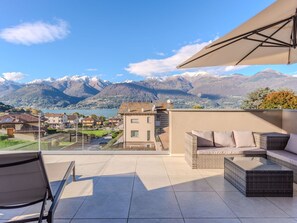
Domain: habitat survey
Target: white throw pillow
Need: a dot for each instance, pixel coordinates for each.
(224, 139)
(205, 138)
(292, 144)
(244, 139)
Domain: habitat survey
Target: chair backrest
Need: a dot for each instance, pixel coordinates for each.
(23, 179)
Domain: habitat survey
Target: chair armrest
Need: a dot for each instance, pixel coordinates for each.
(191, 149)
(273, 141)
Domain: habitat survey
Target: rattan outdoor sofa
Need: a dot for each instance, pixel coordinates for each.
(276, 151)
(213, 157)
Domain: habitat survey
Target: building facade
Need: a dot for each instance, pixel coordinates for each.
(142, 122)
(57, 121)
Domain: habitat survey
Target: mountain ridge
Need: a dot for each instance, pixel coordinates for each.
(185, 90)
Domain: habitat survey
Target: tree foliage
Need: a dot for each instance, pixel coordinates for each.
(4, 107)
(197, 106)
(283, 99)
(256, 98)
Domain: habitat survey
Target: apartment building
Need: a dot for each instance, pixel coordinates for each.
(142, 121)
(57, 121)
(88, 122)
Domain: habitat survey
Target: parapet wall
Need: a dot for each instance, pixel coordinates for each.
(181, 121)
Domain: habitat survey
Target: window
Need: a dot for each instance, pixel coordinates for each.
(134, 133)
(148, 135)
(148, 119)
(134, 120)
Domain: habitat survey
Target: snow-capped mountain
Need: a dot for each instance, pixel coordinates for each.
(76, 85)
(7, 86)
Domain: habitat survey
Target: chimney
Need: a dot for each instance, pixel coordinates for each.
(154, 108)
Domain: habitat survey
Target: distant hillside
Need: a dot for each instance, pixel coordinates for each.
(115, 94)
(186, 90)
(39, 96)
(7, 87)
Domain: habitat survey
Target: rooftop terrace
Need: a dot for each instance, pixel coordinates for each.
(140, 188)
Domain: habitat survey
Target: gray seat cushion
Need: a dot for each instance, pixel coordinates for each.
(283, 155)
(230, 151)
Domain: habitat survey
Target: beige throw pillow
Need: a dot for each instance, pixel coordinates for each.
(224, 139)
(292, 144)
(205, 138)
(244, 139)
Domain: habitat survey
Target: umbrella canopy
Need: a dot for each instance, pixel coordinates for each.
(268, 38)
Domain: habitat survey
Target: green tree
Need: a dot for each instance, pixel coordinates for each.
(283, 99)
(197, 106)
(255, 98)
(102, 118)
(95, 117)
(4, 107)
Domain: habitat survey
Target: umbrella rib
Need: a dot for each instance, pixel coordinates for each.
(254, 31)
(272, 43)
(263, 42)
(277, 40)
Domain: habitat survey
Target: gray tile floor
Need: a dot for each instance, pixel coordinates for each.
(150, 189)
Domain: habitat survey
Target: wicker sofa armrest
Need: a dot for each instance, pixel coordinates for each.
(191, 149)
(274, 141)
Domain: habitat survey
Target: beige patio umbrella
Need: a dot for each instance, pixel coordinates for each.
(267, 38)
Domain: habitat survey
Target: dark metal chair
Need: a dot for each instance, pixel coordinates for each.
(25, 180)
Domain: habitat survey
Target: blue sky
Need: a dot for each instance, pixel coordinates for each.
(115, 39)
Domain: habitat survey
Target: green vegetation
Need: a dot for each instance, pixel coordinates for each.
(108, 146)
(98, 133)
(4, 107)
(10, 142)
(255, 98)
(3, 137)
(266, 98)
(197, 106)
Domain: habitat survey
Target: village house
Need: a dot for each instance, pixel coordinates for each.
(88, 122)
(72, 120)
(142, 122)
(21, 126)
(56, 121)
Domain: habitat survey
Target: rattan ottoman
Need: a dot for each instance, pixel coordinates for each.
(258, 177)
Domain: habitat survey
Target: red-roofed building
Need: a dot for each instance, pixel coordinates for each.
(21, 126)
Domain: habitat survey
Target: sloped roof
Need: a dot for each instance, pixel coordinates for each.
(53, 115)
(18, 118)
(143, 107)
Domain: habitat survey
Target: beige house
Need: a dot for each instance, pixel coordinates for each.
(57, 121)
(142, 121)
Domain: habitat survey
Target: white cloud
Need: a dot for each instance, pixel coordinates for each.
(13, 76)
(159, 67)
(35, 33)
(119, 75)
(92, 69)
(153, 67)
(160, 54)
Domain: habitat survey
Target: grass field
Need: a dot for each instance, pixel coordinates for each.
(98, 133)
(7, 143)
